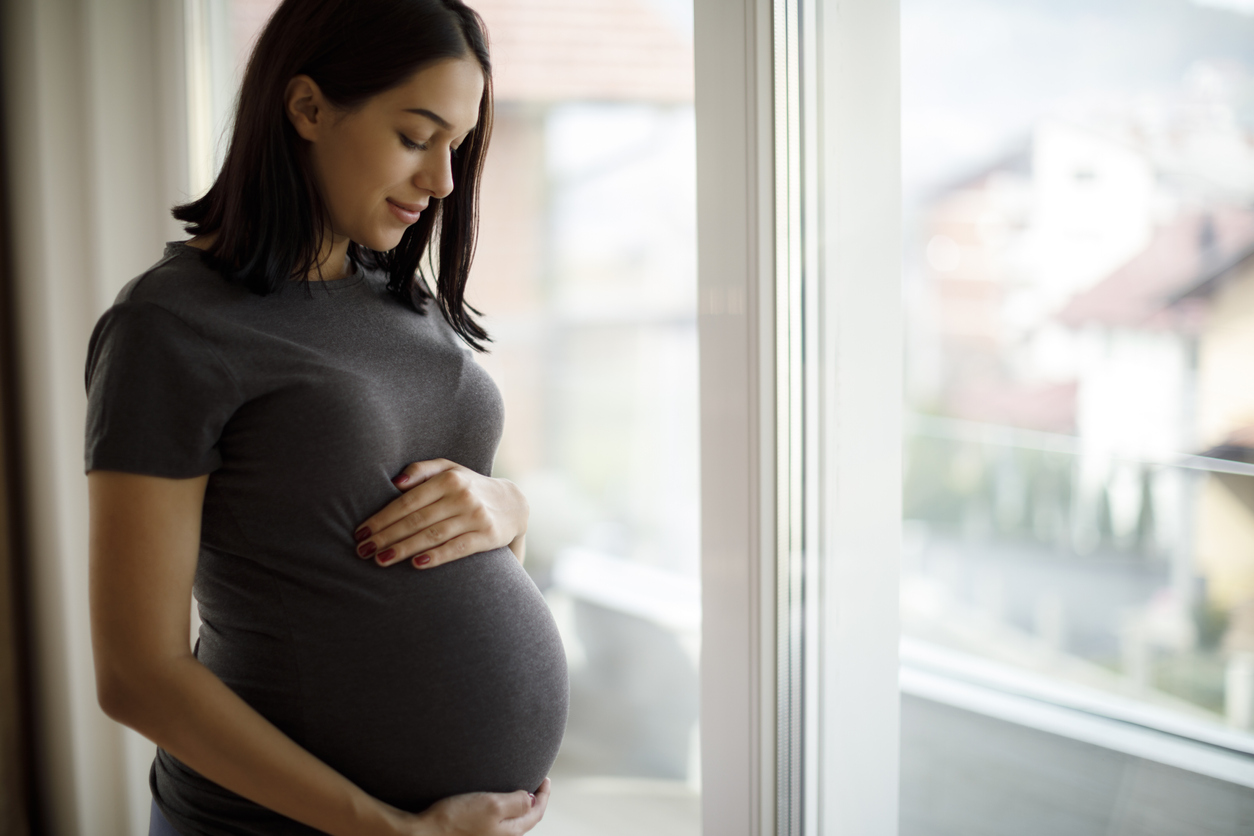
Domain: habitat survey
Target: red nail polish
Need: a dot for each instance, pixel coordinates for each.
(400, 480)
(366, 549)
(384, 557)
(422, 559)
(362, 534)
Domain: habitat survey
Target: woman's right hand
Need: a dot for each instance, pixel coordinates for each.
(482, 814)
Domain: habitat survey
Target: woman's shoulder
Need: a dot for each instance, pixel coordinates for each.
(182, 283)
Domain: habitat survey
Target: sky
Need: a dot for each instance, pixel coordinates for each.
(977, 74)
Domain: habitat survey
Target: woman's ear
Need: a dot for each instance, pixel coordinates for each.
(305, 106)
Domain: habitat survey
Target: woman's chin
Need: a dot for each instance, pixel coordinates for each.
(381, 241)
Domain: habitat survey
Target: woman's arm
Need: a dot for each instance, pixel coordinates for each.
(144, 541)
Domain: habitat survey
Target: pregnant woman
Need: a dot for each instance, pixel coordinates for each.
(286, 418)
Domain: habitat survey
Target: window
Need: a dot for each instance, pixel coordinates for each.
(1078, 481)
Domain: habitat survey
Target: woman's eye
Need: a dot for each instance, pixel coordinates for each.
(411, 145)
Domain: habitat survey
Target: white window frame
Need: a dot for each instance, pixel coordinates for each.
(798, 190)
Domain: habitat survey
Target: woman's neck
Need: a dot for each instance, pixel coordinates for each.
(334, 253)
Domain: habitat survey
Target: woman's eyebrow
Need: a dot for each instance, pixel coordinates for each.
(434, 117)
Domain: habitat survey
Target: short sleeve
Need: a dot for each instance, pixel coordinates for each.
(157, 395)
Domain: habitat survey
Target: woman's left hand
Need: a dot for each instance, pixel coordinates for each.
(446, 512)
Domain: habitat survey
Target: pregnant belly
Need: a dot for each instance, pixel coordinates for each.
(453, 681)
(421, 685)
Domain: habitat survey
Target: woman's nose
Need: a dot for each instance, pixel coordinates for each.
(436, 175)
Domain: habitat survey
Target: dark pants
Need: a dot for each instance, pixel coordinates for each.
(157, 824)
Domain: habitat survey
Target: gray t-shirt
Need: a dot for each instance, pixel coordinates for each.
(415, 685)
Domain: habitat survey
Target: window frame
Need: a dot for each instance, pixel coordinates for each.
(798, 192)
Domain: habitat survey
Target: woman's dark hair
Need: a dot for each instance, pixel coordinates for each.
(264, 206)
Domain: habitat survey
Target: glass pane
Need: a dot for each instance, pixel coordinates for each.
(586, 271)
(1079, 501)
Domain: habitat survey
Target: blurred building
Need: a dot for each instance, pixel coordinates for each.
(1225, 423)
(1090, 299)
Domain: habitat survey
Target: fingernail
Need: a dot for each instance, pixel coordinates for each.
(532, 796)
(384, 557)
(400, 480)
(422, 559)
(362, 534)
(366, 549)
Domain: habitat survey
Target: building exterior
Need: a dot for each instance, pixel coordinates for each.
(1089, 305)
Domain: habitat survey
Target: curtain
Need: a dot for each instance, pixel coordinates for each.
(94, 117)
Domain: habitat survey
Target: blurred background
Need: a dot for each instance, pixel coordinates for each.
(1079, 302)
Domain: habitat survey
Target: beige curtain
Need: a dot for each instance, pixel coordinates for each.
(94, 116)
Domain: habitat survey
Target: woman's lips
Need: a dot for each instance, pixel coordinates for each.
(407, 213)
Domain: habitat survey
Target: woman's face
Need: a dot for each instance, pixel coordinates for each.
(379, 165)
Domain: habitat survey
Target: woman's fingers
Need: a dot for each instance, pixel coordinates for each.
(486, 813)
(419, 472)
(539, 801)
(455, 549)
(513, 805)
(435, 519)
(413, 510)
(437, 544)
(416, 496)
(443, 531)
(447, 512)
